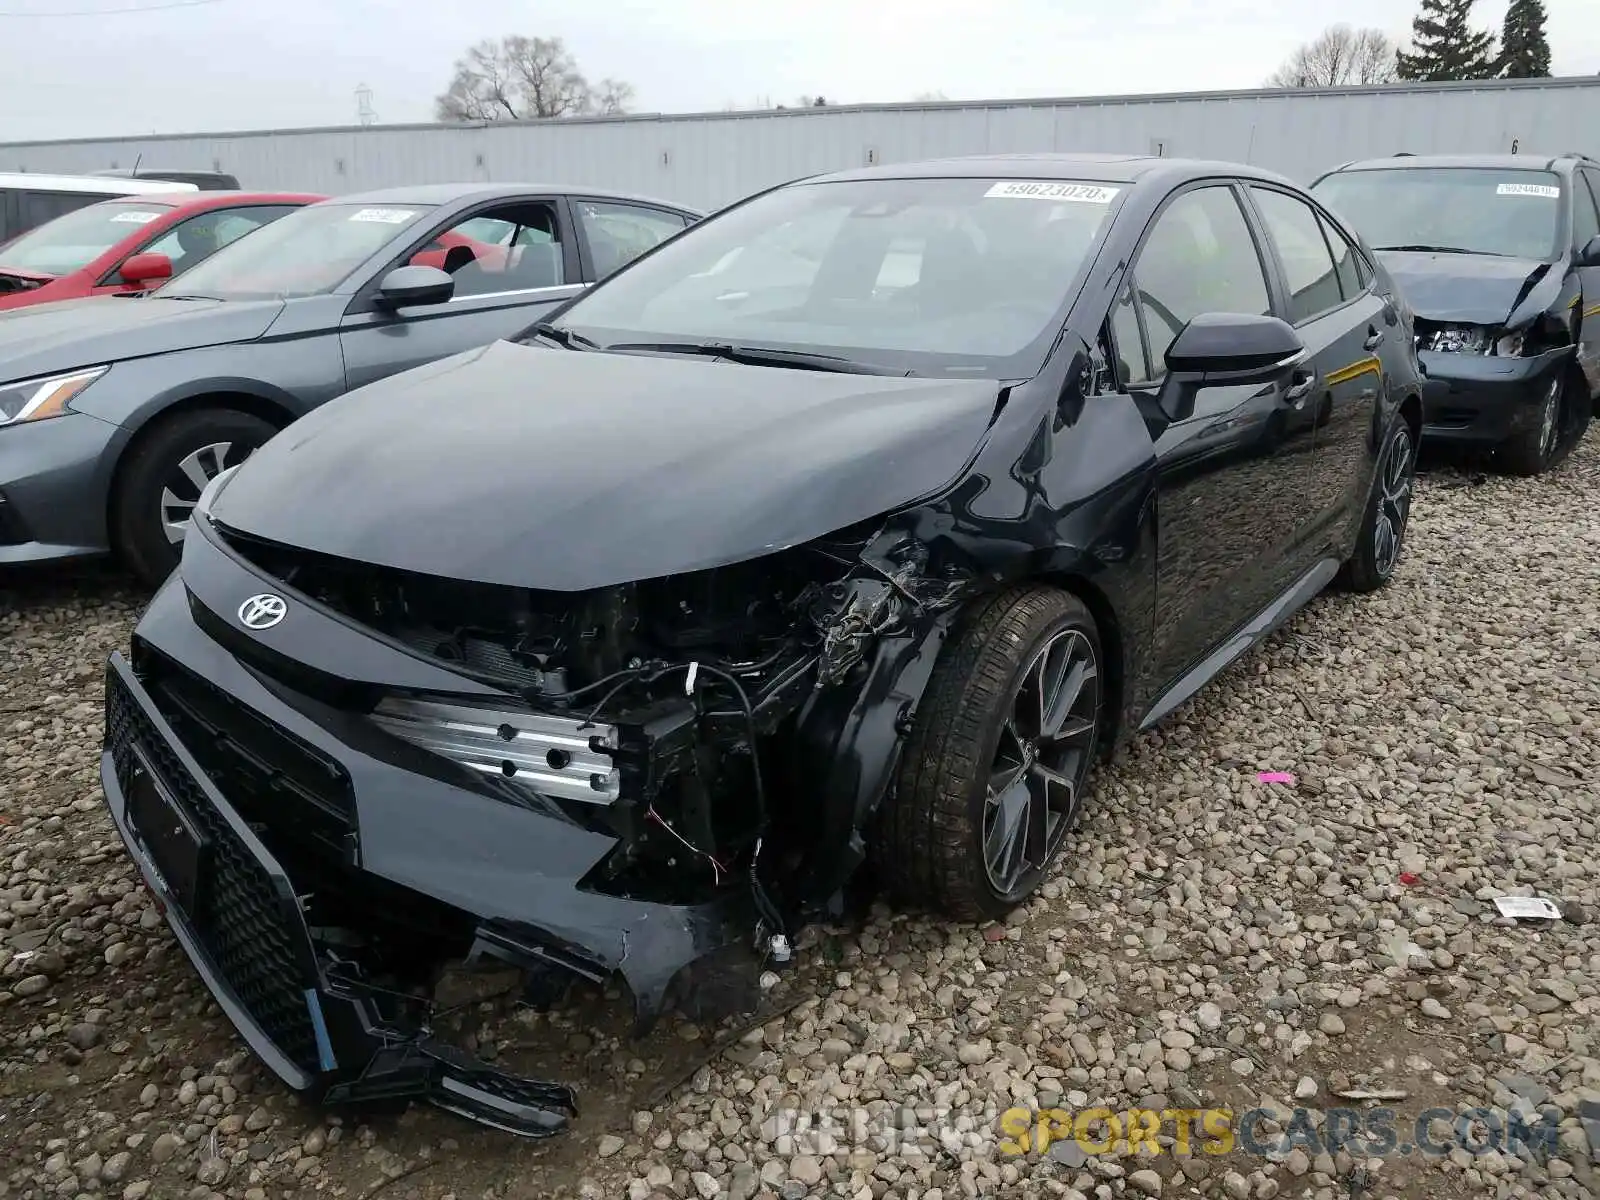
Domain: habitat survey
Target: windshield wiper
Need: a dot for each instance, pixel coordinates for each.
(1443, 250)
(562, 337)
(759, 356)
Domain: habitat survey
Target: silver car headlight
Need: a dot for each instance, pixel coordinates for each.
(40, 399)
(1473, 339)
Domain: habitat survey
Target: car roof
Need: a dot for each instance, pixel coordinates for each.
(89, 184)
(1504, 162)
(204, 201)
(1092, 168)
(463, 193)
(156, 173)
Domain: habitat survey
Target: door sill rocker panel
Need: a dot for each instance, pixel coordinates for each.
(1255, 631)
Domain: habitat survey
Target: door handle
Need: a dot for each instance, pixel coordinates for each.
(1374, 338)
(1300, 385)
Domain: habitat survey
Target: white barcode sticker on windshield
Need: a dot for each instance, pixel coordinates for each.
(1529, 189)
(385, 216)
(136, 218)
(1046, 189)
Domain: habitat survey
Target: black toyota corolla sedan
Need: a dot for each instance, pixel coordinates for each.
(852, 525)
(1499, 258)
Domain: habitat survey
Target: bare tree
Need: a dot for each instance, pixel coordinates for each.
(930, 98)
(612, 97)
(552, 85)
(481, 89)
(519, 78)
(1338, 57)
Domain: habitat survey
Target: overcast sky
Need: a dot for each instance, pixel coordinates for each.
(243, 64)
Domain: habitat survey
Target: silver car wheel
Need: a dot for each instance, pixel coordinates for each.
(191, 476)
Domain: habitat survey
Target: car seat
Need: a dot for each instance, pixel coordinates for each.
(457, 257)
(533, 266)
(197, 240)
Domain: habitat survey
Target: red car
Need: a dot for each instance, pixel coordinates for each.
(131, 244)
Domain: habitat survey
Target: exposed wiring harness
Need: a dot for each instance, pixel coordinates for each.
(654, 672)
(758, 891)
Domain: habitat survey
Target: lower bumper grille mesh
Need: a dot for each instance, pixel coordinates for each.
(240, 915)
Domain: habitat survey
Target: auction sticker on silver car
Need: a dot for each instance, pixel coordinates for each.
(1529, 189)
(1044, 189)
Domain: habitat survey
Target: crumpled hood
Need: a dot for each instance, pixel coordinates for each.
(44, 339)
(1472, 289)
(566, 470)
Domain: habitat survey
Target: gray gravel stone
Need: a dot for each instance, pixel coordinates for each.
(1206, 940)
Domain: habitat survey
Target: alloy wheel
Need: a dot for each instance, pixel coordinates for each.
(1394, 500)
(189, 479)
(1042, 762)
(1548, 427)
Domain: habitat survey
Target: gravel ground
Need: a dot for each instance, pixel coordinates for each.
(1212, 941)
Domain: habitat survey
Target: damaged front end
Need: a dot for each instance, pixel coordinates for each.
(658, 781)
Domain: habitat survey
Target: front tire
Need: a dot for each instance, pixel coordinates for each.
(163, 476)
(1534, 450)
(998, 760)
(1383, 524)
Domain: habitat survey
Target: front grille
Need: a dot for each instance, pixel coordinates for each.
(239, 915)
(267, 773)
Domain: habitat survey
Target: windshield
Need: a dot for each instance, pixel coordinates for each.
(72, 242)
(931, 276)
(306, 253)
(1469, 209)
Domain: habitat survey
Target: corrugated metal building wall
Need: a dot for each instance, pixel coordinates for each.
(711, 159)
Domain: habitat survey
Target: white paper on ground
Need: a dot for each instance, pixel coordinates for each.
(1523, 908)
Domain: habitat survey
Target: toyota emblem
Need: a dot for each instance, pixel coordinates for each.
(262, 612)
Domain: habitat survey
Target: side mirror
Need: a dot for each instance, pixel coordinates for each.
(144, 270)
(1589, 256)
(414, 285)
(1218, 349)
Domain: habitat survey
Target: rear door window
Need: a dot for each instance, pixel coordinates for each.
(1345, 262)
(618, 233)
(1308, 265)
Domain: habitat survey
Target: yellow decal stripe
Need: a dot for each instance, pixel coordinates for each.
(1367, 366)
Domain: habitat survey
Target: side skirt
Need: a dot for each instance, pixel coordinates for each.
(1253, 633)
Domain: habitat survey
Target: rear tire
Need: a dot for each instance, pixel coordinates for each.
(162, 476)
(1388, 512)
(981, 760)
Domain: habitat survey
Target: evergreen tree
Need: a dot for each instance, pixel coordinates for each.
(1445, 46)
(1524, 48)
